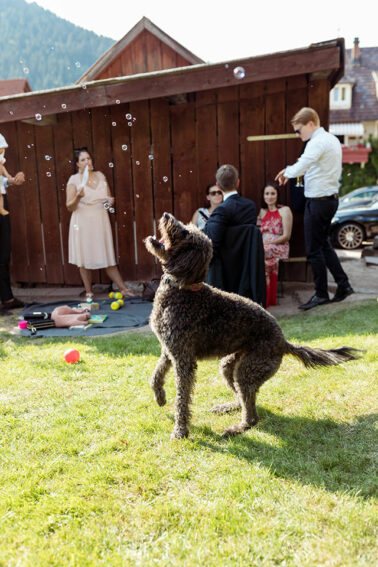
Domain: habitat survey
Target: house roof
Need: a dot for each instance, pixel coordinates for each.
(113, 52)
(364, 97)
(13, 86)
(319, 60)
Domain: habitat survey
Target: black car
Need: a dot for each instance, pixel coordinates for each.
(352, 225)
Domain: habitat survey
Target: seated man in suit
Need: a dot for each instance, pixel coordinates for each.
(238, 254)
(234, 211)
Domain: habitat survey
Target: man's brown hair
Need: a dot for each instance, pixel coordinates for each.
(306, 115)
(227, 177)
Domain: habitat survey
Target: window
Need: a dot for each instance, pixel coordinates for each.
(341, 97)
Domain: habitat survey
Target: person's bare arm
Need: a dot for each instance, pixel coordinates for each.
(73, 196)
(110, 199)
(287, 225)
(195, 218)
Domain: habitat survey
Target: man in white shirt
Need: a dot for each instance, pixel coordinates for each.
(320, 164)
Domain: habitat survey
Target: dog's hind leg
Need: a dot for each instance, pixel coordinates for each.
(158, 377)
(185, 373)
(227, 369)
(250, 374)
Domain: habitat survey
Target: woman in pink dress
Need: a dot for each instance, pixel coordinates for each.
(90, 241)
(275, 222)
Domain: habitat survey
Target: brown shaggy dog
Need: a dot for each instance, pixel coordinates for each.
(193, 320)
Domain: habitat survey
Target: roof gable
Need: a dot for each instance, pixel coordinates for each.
(143, 49)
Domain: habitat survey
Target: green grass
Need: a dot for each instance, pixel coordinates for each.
(89, 475)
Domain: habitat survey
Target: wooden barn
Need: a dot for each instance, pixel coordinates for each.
(159, 135)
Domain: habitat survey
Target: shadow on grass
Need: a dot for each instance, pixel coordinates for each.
(337, 457)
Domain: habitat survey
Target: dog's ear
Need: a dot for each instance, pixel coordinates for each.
(188, 261)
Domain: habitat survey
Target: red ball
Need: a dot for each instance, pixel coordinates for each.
(72, 355)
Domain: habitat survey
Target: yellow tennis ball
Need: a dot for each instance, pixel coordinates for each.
(111, 295)
(121, 302)
(115, 305)
(118, 295)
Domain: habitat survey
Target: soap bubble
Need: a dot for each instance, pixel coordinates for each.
(76, 227)
(68, 67)
(239, 72)
(134, 119)
(129, 123)
(111, 164)
(118, 101)
(47, 157)
(137, 162)
(124, 147)
(52, 48)
(11, 112)
(38, 117)
(63, 105)
(165, 179)
(151, 157)
(28, 146)
(77, 64)
(137, 196)
(48, 173)
(83, 86)
(114, 123)
(26, 70)
(128, 116)
(226, 66)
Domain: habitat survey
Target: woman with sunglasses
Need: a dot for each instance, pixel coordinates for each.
(275, 222)
(214, 197)
(90, 241)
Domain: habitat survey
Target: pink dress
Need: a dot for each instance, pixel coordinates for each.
(90, 239)
(271, 228)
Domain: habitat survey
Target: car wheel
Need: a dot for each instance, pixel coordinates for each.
(350, 236)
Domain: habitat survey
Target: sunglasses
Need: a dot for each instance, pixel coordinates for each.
(298, 130)
(215, 193)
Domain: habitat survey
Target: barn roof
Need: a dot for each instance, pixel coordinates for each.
(116, 50)
(319, 60)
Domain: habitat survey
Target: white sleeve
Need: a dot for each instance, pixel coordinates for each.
(312, 153)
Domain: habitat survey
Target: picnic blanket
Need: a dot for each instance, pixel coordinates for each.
(134, 313)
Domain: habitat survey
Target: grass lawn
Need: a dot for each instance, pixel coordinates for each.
(89, 475)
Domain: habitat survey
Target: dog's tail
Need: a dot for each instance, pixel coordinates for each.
(312, 357)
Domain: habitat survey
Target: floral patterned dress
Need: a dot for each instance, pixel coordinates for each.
(271, 228)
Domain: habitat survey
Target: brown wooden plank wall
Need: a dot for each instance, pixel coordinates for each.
(160, 159)
(145, 54)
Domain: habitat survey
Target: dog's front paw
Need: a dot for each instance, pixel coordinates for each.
(160, 397)
(179, 433)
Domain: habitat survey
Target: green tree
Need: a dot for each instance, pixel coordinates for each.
(47, 50)
(355, 176)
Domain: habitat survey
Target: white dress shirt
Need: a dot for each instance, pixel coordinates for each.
(227, 195)
(320, 164)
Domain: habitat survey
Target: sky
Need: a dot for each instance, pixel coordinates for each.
(217, 30)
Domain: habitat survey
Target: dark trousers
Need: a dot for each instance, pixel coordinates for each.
(320, 253)
(5, 247)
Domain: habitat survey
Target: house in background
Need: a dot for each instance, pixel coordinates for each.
(354, 103)
(9, 87)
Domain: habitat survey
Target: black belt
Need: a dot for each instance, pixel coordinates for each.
(326, 198)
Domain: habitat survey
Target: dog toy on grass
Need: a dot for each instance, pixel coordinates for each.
(71, 356)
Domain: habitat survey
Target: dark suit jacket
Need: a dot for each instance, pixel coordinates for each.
(234, 211)
(240, 267)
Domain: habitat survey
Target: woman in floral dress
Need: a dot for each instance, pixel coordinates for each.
(275, 222)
